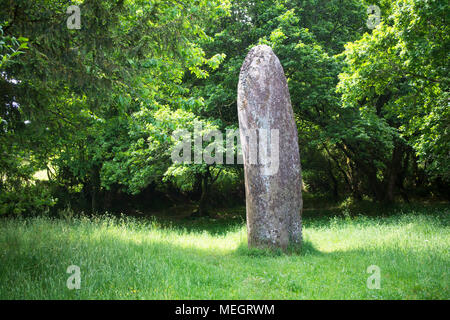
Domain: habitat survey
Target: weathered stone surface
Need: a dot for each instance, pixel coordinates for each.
(273, 199)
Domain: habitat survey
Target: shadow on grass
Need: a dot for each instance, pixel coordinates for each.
(224, 221)
(218, 224)
(306, 248)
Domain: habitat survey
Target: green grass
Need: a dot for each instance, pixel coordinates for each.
(130, 258)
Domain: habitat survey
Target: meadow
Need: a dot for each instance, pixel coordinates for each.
(124, 257)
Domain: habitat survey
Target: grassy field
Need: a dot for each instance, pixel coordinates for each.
(207, 258)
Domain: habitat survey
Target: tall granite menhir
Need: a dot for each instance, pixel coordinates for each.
(273, 199)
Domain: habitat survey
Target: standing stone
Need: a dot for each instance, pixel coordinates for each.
(273, 197)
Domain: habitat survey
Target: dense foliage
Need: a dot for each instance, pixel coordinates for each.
(96, 107)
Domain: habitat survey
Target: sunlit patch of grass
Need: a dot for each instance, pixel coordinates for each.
(129, 258)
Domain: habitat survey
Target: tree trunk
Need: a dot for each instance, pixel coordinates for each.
(95, 188)
(334, 180)
(202, 211)
(393, 173)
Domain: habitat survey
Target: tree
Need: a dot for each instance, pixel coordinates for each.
(79, 88)
(397, 79)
